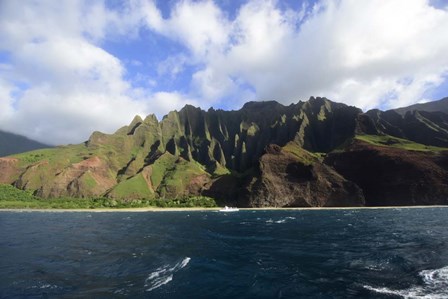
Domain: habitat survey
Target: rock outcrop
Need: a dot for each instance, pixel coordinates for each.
(392, 176)
(9, 170)
(292, 177)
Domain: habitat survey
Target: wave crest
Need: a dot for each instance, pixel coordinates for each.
(164, 275)
(435, 286)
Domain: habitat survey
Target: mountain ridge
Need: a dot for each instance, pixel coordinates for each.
(265, 154)
(13, 144)
(433, 106)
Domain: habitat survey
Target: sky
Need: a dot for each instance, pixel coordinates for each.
(70, 67)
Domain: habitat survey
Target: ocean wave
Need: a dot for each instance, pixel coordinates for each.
(435, 286)
(44, 285)
(281, 220)
(164, 275)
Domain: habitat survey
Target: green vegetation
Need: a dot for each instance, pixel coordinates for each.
(135, 187)
(176, 179)
(13, 198)
(160, 166)
(303, 155)
(387, 140)
(8, 192)
(59, 155)
(322, 114)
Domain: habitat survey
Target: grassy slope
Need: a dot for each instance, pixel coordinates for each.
(170, 174)
(303, 155)
(387, 140)
(132, 188)
(177, 178)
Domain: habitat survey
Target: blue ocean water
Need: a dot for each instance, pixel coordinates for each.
(375, 253)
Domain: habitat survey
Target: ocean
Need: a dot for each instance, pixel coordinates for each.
(350, 253)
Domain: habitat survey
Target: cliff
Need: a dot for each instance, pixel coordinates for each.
(265, 154)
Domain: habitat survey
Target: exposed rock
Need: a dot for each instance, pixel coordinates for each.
(88, 178)
(197, 184)
(289, 180)
(392, 176)
(8, 170)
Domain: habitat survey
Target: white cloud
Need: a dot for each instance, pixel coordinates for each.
(59, 83)
(352, 51)
(162, 102)
(200, 26)
(172, 66)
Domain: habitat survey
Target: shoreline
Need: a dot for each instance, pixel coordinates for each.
(199, 209)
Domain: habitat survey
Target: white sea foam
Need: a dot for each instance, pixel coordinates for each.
(281, 220)
(435, 286)
(43, 285)
(158, 282)
(164, 275)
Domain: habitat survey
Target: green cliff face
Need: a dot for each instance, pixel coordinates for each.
(264, 154)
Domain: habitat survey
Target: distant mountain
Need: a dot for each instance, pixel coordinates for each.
(313, 153)
(14, 144)
(435, 106)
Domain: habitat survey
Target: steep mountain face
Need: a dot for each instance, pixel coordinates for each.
(435, 106)
(292, 177)
(424, 127)
(264, 154)
(13, 144)
(391, 176)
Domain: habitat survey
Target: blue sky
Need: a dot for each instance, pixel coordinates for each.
(70, 67)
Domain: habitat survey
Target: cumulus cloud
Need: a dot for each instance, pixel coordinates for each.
(59, 84)
(59, 80)
(371, 53)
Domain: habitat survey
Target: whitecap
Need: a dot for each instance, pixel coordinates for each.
(435, 286)
(280, 221)
(48, 286)
(164, 275)
(44, 285)
(158, 282)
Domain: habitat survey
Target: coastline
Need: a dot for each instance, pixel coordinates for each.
(199, 209)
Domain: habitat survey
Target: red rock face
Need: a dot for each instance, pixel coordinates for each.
(8, 170)
(197, 184)
(390, 176)
(71, 180)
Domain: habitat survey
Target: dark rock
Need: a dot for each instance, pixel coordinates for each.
(392, 176)
(286, 180)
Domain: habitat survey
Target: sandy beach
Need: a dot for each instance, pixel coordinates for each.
(154, 209)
